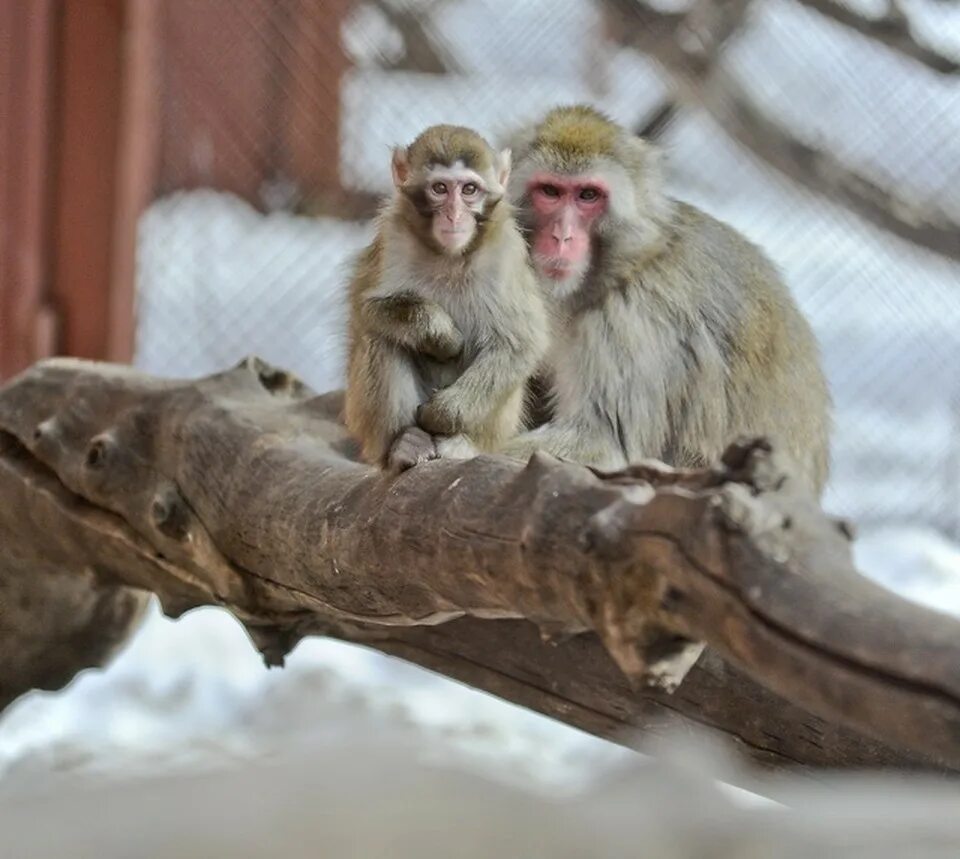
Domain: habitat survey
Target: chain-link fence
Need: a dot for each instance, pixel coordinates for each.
(828, 132)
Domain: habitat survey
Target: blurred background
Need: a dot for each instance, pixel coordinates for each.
(182, 183)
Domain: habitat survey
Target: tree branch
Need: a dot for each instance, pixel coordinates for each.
(708, 86)
(421, 50)
(712, 25)
(892, 29)
(238, 490)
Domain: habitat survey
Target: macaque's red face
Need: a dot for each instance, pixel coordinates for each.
(565, 211)
(456, 196)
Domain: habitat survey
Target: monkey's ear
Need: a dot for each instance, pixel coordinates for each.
(400, 166)
(504, 162)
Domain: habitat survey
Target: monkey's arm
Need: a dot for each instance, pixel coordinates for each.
(414, 323)
(497, 371)
(582, 441)
(383, 392)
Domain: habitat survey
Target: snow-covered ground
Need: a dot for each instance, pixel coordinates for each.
(218, 281)
(195, 692)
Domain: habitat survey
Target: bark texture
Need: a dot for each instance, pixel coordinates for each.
(575, 593)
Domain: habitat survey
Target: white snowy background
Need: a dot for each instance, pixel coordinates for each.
(217, 280)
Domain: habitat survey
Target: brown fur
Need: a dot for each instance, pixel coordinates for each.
(446, 145)
(444, 341)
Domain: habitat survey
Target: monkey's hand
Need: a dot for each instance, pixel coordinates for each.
(441, 414)
(411, 447)
(441, 339)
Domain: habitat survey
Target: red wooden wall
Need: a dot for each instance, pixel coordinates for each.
(104, 104)
(26, 323)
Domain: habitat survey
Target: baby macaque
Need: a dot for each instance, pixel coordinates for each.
(447, 321)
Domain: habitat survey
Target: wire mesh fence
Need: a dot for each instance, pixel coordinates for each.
(827, 132)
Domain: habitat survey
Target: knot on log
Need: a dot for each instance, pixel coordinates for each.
(99, 451)
(744, 512)
(44, 431)
(625, 597)
(753, 462)
(759, 470)
(170, 514)
(273, 642)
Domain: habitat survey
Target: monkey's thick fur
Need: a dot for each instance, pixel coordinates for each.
(446, 341)
(680, 336)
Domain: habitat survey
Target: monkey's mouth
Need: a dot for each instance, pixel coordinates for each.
(453, 241)
(556, 268)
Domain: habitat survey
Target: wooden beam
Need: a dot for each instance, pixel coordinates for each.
(138, 161)
(312, 65)
(251, 99)
(104, 169)
(27, 327)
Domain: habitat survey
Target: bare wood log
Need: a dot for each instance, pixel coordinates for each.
(663, 37)
(238, 490)
(892, 29)
(55, 622)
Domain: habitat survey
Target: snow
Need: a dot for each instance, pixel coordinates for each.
(781, 62)
(194, 693)
(915, 562)
(241, 283)
(218, 281)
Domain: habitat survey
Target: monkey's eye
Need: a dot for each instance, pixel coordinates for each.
(470, 189)
(550, 190)
(588, 195)
(438, 188)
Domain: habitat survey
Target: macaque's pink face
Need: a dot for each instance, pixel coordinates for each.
(565, 210)
(456, 196)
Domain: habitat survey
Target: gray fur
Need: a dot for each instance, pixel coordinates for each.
(680, 337)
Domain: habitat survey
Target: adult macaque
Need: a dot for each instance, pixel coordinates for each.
(675, 334)
(447, 321)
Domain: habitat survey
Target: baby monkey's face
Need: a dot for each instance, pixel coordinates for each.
(457, 196)
(450, 181)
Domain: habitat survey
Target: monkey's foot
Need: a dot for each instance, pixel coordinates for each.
(411, 447)
(456, 447)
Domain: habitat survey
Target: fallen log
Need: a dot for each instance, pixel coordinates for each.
(575, 593)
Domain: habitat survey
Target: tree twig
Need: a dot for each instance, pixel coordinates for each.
(892, 29)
